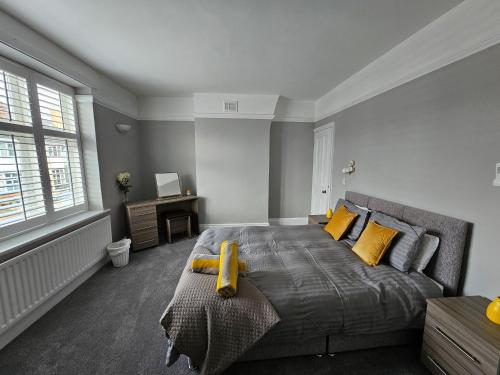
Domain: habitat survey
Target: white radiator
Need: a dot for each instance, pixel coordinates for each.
(32, 283)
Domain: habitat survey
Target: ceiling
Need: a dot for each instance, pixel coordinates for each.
(297, 48)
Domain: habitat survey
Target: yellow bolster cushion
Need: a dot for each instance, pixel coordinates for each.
(214, 263)
(340, 222)
(228, 269)
(374, 242)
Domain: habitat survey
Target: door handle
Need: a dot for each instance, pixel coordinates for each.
(323, 191)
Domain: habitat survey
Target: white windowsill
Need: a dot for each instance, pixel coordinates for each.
(16, 245)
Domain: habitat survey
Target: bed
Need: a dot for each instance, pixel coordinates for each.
(309, 294)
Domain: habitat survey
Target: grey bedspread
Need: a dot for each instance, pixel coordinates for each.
(319, 287)
(213, 331)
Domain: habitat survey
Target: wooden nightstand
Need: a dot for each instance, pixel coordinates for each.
(459, 339)
(317, 219)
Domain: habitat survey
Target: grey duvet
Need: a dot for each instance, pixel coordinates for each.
(316, 285)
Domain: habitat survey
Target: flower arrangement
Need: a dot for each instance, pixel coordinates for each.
(123, 181)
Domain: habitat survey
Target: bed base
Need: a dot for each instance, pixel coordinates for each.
(330, 345)
(326, 346)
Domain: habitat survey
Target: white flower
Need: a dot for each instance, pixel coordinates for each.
(123, 178)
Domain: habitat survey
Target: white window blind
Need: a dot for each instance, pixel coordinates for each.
(41, 171)
(56, 109)
(66, 180)
(21, 194)
(14, 99)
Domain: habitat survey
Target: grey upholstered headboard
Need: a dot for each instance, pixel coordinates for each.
(446, 263)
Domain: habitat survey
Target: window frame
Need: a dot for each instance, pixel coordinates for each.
(39, 133)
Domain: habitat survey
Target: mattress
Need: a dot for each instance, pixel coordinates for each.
(319, 287)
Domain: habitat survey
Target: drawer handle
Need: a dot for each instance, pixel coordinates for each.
(454, 343)
(145, 228)
(143, 242)
(145, 213)
(437, 365)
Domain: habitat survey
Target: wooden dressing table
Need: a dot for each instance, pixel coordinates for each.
(144, 218)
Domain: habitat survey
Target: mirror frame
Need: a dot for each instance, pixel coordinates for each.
(168, 196)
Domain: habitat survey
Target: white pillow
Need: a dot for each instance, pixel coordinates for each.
(427, 248)
(363, 208)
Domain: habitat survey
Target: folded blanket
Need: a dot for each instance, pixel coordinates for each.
(214, 332)
(228, 269)
(209, 264)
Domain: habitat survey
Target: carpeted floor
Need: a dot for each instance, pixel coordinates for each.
(109, 325)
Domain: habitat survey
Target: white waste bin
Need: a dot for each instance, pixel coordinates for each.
(118, 252)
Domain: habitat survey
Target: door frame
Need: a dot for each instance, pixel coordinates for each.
(329, 126)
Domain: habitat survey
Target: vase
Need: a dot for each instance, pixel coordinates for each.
(493, 311)
(329, 213)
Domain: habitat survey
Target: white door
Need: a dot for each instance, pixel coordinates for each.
(322, 169)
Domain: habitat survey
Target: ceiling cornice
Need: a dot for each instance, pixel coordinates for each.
(470, 27)
(166, 109)
(182, 109)
(211, 105)
(249, 116)
(41, 54)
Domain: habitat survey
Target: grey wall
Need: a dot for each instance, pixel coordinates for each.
(232, 170)
(433, 143)
(290, 172)
(167, 146)
(117, 153)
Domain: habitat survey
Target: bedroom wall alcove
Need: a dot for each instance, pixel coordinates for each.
(238, 170)
(232, 147)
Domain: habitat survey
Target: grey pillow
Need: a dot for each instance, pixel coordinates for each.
(405, 245)
(357, 227)
(426, 249)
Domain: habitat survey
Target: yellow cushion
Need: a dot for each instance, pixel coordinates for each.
(228, 269)
(203, 263)
(374, 242)
(340, 222)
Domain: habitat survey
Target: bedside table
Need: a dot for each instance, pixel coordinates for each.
(459, 339)
(317, 219)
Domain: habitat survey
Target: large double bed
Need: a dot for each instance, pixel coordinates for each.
(307, 294)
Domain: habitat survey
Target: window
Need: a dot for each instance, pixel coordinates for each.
(66, 178)
(54, 150)
(58, 178)
(56, 109)
(41, 174)
(14, 99)
(6, 149)
(9, 182)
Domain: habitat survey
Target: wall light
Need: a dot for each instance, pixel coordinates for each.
(496, 181)
(123, 128)
(351, 167)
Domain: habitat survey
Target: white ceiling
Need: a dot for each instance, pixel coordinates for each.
(297, 48)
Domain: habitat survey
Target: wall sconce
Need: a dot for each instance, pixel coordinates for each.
(351, 168)
(496, 181)
(123, 128)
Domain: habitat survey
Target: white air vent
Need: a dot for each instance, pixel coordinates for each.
(231, 106)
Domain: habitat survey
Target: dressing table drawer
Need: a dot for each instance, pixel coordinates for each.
(141, 215)
(146, 238)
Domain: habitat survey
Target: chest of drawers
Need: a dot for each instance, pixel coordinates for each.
(459, 339)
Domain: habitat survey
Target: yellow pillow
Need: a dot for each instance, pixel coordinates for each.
(373, 242)
(340, 222)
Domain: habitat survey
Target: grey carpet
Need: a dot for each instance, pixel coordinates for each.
(109, 325)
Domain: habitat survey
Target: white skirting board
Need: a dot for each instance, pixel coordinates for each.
(272, 221)
(34, 282)
(288, 221)
(206, 226)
